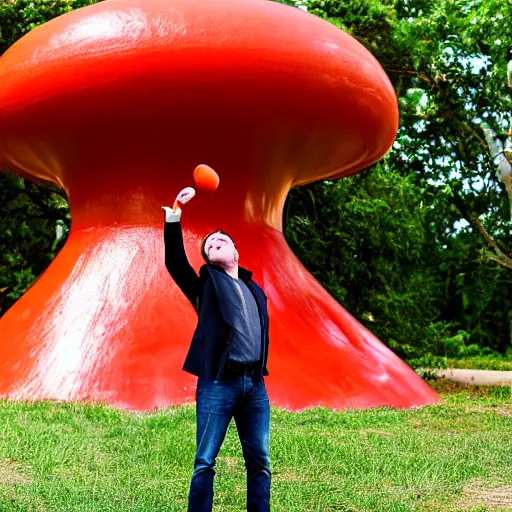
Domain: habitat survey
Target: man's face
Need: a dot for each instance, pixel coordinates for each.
(220, 249)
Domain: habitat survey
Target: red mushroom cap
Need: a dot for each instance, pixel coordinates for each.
(301, 98)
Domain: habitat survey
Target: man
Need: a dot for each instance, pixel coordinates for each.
(228, 353)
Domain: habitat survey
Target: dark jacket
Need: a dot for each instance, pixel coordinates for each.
(209, 348)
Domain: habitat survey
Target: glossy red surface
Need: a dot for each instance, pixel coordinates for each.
(118, 102)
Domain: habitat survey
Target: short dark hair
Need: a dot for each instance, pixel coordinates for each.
(203, 243)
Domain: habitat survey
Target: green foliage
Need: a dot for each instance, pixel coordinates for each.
(369, 243)
(21, 16)
(489, 362)
(457, 50)
(457, 353)
(33, 227)
(447, 60)
(371, 22)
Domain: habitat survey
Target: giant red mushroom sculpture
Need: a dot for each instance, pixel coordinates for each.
(117, 103)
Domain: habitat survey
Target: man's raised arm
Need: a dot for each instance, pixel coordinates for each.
(176, 260)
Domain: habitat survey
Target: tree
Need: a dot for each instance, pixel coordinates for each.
(447, 60)
(367, 239)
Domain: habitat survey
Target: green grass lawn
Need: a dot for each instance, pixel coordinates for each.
(455, 456)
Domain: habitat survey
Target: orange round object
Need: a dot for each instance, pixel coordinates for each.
(206, 178)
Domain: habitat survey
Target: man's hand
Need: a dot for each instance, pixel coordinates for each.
(185, 195)
(174, 214)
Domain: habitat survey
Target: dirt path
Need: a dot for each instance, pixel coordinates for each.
(480, 377)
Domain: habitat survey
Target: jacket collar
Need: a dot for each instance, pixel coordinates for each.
(243, 273)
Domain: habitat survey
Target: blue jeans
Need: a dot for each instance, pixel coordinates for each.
(245, 398)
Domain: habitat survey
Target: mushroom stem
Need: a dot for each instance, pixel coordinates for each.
(106, 323)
